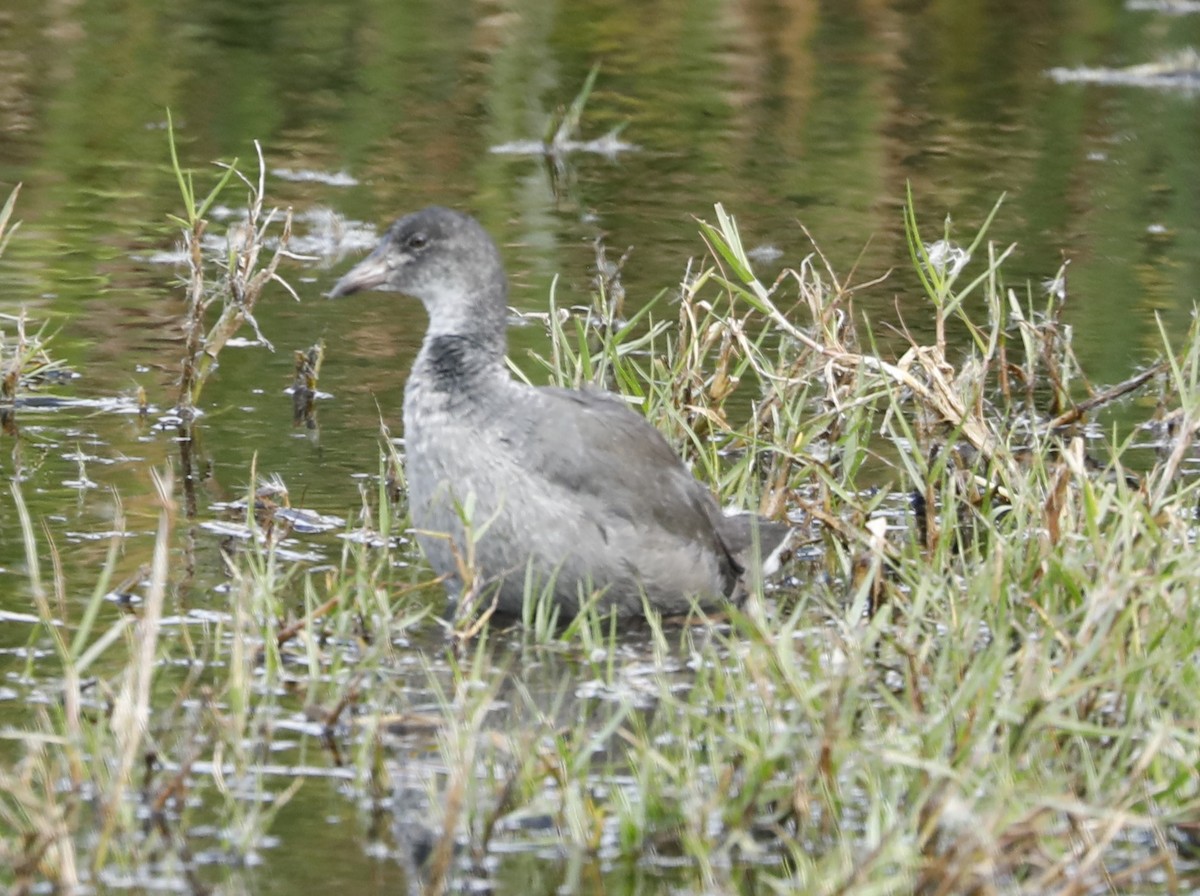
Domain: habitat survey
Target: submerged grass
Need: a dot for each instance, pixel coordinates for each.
(979, 677)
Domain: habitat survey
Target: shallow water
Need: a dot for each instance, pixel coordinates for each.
(788, 112)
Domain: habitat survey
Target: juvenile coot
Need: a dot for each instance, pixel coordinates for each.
(560, 491)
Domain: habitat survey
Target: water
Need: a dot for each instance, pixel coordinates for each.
(787, 112)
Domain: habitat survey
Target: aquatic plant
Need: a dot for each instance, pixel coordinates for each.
(243, 277)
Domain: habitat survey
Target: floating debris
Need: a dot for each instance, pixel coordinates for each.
(82, 484)
(765, 253)
(1170, 7)
(114, 404)
(308, 522)
(338, 179)
(331, 237)
(372, 539)
(226, 529)
(26, 618)
(609, 146)
(274, 516)
(1180, 70)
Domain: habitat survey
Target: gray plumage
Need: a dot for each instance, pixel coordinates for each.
(566, 490)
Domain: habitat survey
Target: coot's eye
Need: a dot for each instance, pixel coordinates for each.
(416, 240)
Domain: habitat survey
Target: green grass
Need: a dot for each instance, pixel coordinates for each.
(998, 697)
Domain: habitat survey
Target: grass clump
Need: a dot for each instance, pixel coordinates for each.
(243, 279)
(151, 755)
(988, 693)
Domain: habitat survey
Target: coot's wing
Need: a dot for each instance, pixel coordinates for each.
(592, 444)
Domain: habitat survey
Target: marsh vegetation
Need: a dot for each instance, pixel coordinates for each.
(977, 674)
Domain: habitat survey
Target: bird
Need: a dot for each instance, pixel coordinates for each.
(567, 495)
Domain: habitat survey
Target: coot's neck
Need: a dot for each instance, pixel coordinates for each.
(464, 344)
(458, 363)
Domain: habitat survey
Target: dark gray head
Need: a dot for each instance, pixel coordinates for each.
(447, 260)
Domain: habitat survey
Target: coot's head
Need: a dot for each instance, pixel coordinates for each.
(442, 257)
